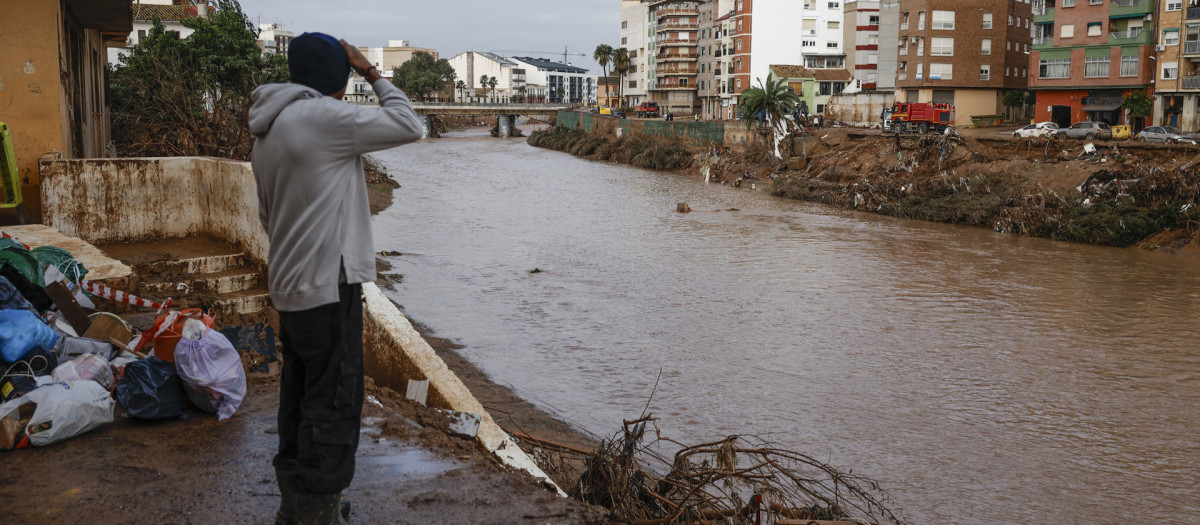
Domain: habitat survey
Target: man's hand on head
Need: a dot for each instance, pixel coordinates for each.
(360, 64)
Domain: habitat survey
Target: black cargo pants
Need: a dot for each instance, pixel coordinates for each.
(321, 394)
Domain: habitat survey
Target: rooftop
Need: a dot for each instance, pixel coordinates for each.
(163, 12)
(837, 75)
(550, 64)
(787, 71)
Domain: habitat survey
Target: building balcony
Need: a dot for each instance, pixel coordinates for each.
(678, 25)
(673, 87)
(1191, 47)
(1044, 18)
(1130, 8)
(676, 11)
(1193, 13)
(677, 42)
(1190, 83)
(677, 58)
(1044, 41)
(1133, 37)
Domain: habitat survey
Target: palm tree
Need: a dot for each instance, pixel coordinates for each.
(620, 62)
(521, 93)
(492, 84)
(483, 81)
(461, 87)
(773, 101)
(603, 56)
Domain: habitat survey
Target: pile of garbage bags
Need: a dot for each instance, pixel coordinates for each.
(64, 367)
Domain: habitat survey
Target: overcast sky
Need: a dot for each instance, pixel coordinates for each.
(454, 26)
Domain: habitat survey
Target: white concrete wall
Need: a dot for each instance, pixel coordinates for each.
(635, 15)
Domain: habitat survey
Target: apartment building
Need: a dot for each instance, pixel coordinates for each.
(675, 61)
(470, 66)
(635, 36)
(889, 48)
(273, 38)
(1177, 86)
(860, 28)
(564, 82)
(707, 91)
(1088, 55)
(740, 25)
(963, 52)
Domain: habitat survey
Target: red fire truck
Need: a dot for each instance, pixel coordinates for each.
(918, 117)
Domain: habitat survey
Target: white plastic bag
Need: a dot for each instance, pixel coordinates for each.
(212, 373)
(64, 410)
(87, 367)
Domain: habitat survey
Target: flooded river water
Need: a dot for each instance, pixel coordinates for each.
(982, 378)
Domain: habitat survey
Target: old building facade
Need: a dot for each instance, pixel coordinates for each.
(1177, 87)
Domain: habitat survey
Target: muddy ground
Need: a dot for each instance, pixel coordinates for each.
(204, 471)
(1123, 194)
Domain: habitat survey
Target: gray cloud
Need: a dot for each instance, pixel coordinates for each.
(454, 26)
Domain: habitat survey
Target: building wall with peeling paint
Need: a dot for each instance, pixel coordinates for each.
(52, 82)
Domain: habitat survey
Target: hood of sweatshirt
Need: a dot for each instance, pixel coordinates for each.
(268, 100)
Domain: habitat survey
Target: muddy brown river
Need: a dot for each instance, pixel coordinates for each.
(982, 378)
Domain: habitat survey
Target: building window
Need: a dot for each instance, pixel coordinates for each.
(1009, 20)
(683, 82)
(873, 20)
(941, 71)
(1024, 71)
(739, 45)
(1174, 5)
(624, 40)
(1095, 2)
(904, 21)
(921, 46)
(1170, 70)
(987, 20)
(739, 25)
(1171, 38)
(903, 46)
(739, 85)
(986, 49)
(833, 25)
(920, 20)
(1055, 68)
(831, 45)
(1093, 29)
(810, 43)
(624, 24)
(1129, 66)
(1008, 45)
(1008, 71)
(835, 5)
(739, 5)
(919, 75)
(985, 72)
(942, 47)
(1068, 31)
(943, 20)
(1096, 67)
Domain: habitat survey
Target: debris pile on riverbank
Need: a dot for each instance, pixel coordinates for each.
(738, 479)
(1117, 194)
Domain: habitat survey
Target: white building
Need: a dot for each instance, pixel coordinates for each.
(144, 13)
(807, 32)
(635, 18)
(564, 82)
(273, 38)
(472, 65)
(385, 59)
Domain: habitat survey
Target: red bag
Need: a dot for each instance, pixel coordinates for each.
(168, 330)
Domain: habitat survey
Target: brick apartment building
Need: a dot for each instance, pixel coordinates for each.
(676, 26)
(861, 29)
(963, 52)
(1177, 88)
(1088, 55)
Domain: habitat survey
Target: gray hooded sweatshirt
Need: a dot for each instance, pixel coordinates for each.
(312, 194)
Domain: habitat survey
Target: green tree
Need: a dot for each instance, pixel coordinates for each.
(1139, 105)
(603, 56)
(422, 77)
(1013, 99)
(772, 101)
(187, 97)
(620, 61)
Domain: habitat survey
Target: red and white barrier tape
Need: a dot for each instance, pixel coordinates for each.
(123, 297)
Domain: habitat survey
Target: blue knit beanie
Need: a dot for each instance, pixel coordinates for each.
(319, 61)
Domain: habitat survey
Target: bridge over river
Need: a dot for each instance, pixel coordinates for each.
(506, 114)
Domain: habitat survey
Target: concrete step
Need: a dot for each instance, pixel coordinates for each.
(207, 264)
(220, 282)
(249, 301)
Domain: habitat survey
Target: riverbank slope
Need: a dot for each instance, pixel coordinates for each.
(1121, 194)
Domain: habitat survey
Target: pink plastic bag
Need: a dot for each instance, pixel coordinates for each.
(87, 367)
(212, 373)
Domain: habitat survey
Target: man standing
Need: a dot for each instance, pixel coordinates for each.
(312, 200)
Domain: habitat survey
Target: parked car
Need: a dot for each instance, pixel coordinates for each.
(618, 113)
(1166, 134)
(1041, 129)
(1087, 130)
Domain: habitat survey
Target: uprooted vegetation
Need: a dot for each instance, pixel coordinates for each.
(645, 478)
(641, 151)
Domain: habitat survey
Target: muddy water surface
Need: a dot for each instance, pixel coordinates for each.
(983, 378)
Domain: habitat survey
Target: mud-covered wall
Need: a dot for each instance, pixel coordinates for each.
(123, 200)
(702, 132)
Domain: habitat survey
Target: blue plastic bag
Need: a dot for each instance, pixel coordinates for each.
(20, 332)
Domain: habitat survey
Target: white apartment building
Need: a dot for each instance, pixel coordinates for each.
(385, 59)
(273, 38)
(635, 35)
(144, 13)
(472, 65)
(889, 44)
(564, 82)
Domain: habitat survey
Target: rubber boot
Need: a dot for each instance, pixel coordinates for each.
(320, 509)
(286, 515)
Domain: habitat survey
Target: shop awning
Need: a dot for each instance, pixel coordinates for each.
(1102, 107)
